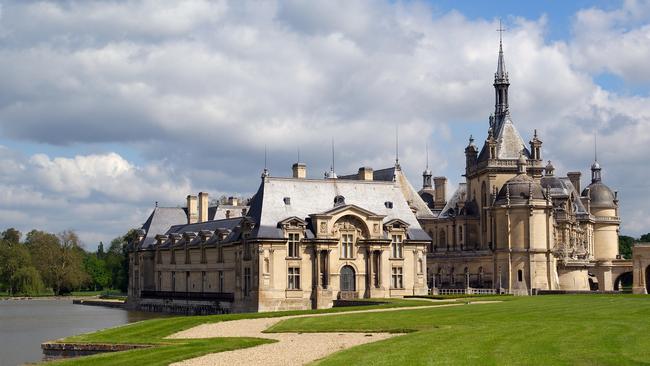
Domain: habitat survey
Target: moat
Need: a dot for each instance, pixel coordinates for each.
(25, 324)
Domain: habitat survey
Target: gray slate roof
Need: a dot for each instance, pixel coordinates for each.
(160, 220)
(311, 196)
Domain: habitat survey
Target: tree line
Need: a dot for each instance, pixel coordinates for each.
(43, 262)
(625, 244)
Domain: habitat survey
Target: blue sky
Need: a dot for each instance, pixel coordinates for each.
(107, 107)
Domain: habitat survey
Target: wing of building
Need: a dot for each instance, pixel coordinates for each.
(301, 244)
(515, 226)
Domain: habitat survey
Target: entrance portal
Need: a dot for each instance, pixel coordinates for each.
(348, 283)
(347, 279)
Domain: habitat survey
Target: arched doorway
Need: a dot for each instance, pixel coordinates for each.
(647, 279)
(348, 280)
(623, 282)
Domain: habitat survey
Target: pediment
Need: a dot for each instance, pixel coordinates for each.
(396, 224)
(350, 209)
(292, 221)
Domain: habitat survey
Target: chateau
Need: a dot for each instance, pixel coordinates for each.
(513, 226)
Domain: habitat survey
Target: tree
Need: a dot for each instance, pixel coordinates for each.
(27, 281)
(13, 256)
(117, 260)
(58, 259)
(11, 235)
(645, 238)
(100, 277)
(625, 244)
(100, 251)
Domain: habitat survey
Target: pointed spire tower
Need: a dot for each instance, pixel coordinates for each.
(501, 84)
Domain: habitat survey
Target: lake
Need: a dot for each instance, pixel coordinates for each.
(25, 324)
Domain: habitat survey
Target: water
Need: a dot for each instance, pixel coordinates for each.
(25, 324)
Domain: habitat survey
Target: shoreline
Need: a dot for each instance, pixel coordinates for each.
(53, 297)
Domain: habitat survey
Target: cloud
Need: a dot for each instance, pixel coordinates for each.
(198, 89)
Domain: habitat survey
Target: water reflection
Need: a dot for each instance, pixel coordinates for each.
(25, 324)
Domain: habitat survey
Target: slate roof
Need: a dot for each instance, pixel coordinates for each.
(509, 142)
(451, 209)
(160, 220)
(311, 196)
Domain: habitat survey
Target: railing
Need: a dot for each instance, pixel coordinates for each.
(463, 291)
(194, 296)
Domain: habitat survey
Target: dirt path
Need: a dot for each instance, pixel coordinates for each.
(291, 348)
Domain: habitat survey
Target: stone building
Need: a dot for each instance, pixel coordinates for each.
(514, 225)
(302, 244)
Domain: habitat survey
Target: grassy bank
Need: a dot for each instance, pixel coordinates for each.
(154, 331)
(540, 330)
(102, 293)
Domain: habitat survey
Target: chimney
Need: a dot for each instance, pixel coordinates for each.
(203, 207)
(233, 201)
(365, 173)
(192, 213)
(299, 170)
(574, 177)
(440, 186)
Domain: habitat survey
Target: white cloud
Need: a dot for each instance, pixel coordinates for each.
(198, 89)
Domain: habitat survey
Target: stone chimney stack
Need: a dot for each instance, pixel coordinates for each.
(574, 177)
(233, 201)
(299, 170)
(365, 173)
(203, 207)
(440, 186)
(192, 212)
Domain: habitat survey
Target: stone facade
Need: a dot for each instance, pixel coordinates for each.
(303, 244)
(515, 226)
(641, 260)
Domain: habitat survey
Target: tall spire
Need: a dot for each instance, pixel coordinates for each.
(426, 174)
(501, 83)
(265, 172)
(331, 174)
(397, 145)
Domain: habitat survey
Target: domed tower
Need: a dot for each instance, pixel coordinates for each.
(522, 213)
(602, 204)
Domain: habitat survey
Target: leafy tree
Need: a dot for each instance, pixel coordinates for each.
(27, 281)
(100, 251)
(13, 256)
(625, 244)
(645, 238)
(58, 259)
(11, 235)
(100, 277)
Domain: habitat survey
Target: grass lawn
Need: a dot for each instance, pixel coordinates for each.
(166, 351)
(536, 330)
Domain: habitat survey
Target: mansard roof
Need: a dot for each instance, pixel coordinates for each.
(160, 220)
(313, 196)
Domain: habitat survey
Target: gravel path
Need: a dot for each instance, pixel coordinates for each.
(291, 348)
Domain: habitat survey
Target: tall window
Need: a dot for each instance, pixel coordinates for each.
(173, 256)
(294, 245)
(293, 281)
(247, 281)
(398, 278)
(203, 281)
(520, 275)
(397, 247)
(347, 244)
(220, 278)
(159, 281)
(173, 280)
(220, 252)
(204, 258)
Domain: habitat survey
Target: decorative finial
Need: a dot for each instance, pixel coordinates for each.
(265, 172)
(500, 30)
(535, 133)
(156, 203)
(427, 148)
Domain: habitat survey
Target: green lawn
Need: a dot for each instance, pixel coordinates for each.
(539, 330)
(166, 351)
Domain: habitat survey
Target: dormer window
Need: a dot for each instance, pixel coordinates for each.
(388, 204)
(339, 200)
(287, 200)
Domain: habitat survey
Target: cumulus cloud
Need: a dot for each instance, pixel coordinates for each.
(199, 88)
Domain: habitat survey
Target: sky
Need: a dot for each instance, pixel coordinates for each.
(108, 107)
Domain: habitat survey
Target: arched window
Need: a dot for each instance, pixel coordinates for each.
(520, 275)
